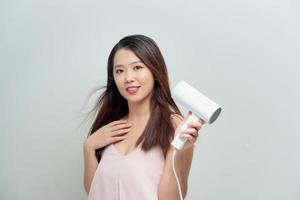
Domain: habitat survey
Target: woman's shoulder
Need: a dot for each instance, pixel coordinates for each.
(176, 119)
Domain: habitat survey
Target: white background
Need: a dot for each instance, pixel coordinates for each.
(243, 54)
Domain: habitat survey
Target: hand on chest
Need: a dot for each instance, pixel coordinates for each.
(128, 145)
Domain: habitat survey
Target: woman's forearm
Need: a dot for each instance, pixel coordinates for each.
(168, 188)
(168, 185)
(90, 166)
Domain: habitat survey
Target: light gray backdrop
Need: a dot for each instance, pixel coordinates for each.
(244, 54)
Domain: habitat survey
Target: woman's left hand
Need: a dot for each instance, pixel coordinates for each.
(191, 132)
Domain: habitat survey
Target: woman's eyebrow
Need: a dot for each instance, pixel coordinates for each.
(119, 65)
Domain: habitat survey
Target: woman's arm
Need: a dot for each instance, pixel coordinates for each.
(90, 165)
(167, 188)
(113, 132)
(168, 185)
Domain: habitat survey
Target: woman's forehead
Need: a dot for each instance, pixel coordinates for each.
(124, 57)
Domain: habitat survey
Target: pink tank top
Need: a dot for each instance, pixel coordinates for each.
(134, 176)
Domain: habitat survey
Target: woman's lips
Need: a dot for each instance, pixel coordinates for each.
(133, 90)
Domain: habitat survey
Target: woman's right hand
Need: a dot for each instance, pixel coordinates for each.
(110, 133)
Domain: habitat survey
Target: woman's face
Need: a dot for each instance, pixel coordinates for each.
(133, 78)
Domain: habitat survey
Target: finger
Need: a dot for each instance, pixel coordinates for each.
(196, 125)
(120, 132)
(113, 123)
(193, 133)
(188, 114)
(194, 129)
(118, 138)
(190, 138)
(120, 126)
(189, 131)
(201, 121)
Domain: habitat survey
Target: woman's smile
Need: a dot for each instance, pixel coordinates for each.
(132, 90)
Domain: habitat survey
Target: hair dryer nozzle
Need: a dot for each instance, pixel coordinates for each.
(193, 100)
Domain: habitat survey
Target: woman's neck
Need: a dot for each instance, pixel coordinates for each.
(138, 112)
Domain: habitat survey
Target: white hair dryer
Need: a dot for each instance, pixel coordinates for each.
(201, 107)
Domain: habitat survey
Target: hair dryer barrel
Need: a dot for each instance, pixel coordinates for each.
(196, 102)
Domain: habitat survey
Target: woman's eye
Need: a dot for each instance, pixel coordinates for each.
(137, 67)
(119, 71)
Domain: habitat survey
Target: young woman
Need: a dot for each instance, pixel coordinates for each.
(127, 155)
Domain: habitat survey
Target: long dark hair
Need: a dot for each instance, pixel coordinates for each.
(113, 106)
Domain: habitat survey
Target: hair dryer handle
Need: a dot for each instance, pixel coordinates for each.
(179, 141)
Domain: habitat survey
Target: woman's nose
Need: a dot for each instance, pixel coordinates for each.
(129, 77)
